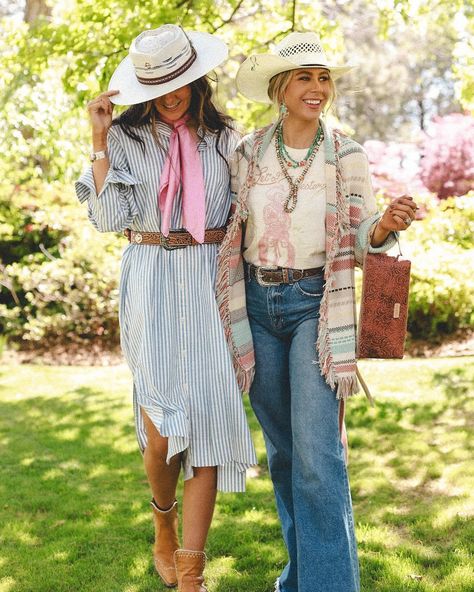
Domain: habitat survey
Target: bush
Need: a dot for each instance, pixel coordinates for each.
(452, 221)
(60, 276)
(442, 293)
(32, 219)
(447, 164)
(442, 284)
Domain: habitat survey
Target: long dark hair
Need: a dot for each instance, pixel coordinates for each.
(202, 110)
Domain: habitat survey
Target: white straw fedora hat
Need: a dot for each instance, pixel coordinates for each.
(163, 60)
(296, 50)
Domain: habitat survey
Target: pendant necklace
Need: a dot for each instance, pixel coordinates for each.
(292, 199)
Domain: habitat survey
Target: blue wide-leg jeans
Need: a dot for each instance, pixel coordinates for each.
(299, 415)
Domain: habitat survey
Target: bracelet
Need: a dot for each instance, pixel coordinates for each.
(98, 155)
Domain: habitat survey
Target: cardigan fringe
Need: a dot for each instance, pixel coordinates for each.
(240, 347)
(244, 374)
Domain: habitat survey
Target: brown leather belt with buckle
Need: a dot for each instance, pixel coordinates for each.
(177, 239)
(272, 276)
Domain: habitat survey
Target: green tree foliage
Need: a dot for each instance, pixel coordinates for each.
(53, 65)
(58, 277)
(403, 79)
(50, 68)
(464, 60)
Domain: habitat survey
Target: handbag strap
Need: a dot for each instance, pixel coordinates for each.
(365, 388)
(400, 254)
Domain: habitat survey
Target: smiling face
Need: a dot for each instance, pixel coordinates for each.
(174, 105)
(307, 93)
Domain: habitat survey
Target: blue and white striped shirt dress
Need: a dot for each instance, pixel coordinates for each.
(171, 333)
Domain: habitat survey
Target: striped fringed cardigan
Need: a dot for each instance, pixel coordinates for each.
(350, 214)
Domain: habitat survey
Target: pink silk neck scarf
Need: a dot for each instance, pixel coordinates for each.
(183, 165)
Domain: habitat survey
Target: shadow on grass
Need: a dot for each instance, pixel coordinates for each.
(74, 511)
(410, 489)
(457, 384)
(74, 504)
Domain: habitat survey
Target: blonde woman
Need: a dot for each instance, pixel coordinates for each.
(302, 194)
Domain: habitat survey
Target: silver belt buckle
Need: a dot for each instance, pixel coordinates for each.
(164, 242)
(261, 282)
(299, 275)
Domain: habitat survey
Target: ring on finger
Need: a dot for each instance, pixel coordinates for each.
(408, 221)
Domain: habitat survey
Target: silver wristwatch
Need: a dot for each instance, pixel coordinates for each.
(98, 155)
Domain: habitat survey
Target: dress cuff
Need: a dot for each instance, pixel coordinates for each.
(388, 243)
(363, 239)
(85, 185)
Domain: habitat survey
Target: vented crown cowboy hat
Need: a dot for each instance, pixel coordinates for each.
(296, 50)
(162, 60)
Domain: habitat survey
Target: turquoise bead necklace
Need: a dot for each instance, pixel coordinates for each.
(292, 199)
(289, 160)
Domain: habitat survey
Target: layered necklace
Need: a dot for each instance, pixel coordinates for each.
(286, 161)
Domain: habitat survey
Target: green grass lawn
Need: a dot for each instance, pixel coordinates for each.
(74, 513)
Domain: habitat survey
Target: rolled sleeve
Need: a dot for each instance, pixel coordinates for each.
(114, 208)
(364, 234)
(85, 186)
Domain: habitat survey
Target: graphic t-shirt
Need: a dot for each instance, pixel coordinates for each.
(274, 237)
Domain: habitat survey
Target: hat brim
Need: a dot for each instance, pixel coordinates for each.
(210, 50)
(255, 73)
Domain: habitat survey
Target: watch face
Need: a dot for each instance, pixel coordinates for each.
(97, 155)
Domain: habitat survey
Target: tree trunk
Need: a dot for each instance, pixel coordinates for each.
(422, 113)
(35, 9)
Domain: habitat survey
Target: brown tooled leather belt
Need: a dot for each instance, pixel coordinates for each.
(177, 239)
(272, 276)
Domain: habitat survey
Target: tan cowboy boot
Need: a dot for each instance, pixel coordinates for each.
(189, 569)
(166, 542)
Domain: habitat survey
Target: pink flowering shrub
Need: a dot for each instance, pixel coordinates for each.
(447, 163)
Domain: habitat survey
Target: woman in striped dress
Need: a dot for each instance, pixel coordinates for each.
(160, 173)
(303, 194)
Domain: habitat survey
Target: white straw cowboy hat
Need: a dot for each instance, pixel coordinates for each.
(296, 50)
(163, 60)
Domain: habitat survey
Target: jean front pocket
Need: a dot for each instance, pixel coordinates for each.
(312, 286)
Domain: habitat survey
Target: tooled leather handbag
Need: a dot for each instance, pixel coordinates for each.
(384, 306)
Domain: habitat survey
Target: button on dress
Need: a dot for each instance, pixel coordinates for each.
(171, 332)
